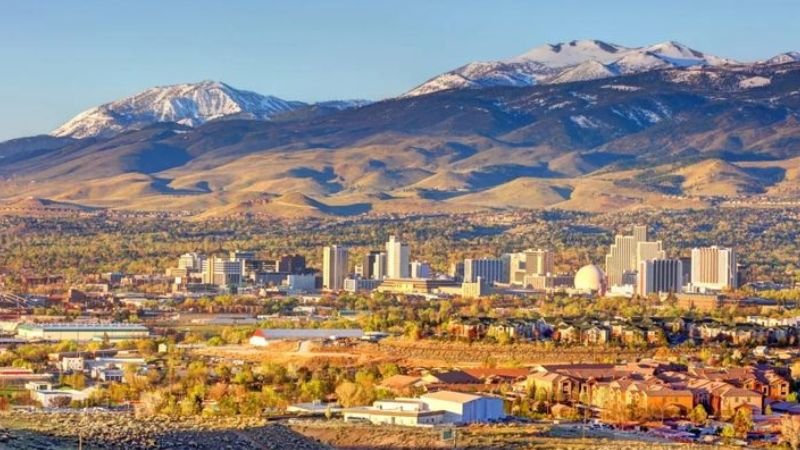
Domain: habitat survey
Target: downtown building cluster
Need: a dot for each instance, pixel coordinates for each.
(635, 265)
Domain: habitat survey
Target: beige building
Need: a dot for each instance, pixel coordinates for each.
(622, 260)
(713, 268)
(415, 286)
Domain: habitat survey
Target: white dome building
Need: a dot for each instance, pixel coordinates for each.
(590, 279)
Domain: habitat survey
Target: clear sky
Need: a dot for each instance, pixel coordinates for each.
(60, 57)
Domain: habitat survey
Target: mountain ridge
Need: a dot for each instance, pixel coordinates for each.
(549, 63)
(679, 135)
(188, 104)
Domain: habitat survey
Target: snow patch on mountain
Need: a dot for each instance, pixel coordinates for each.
(585, 122)
(573, 53)
(621, 87)
(784, 58)
(589, 70)
(754, 82)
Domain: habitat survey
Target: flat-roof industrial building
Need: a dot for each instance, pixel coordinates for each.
(263, 336)
(81, 331)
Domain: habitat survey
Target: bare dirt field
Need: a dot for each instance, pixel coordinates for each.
(423, 353)
(477, 437)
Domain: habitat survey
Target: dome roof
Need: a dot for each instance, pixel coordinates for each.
(590, 278)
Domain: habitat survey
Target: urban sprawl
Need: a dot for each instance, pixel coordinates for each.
(640, 345)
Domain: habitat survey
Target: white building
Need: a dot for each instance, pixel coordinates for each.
(82, 332)
(465, 408)
(430, 409)
(192, 262)
(406, 412)
(361, 284)
(262, 336)
(713, 269)
(334, 267)
(47, 396)
(397, 259)
(223, 272)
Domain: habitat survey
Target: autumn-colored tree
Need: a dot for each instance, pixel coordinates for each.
(76, 380)
(352, 394)
(698, 415)
(790, 431)
(218, 391)
(149, 403)
(743, 422)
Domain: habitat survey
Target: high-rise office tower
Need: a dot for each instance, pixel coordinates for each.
(620, 259)
(246, 255)
(490, 270)
(516, 268)
(379, 267)
(648, 250)
(223, 272)
(539, 262)
(373, 265)
(640, 233)
(714, 268)
(457, 270)
(334, 267)
(397, 259)
(192, 262)
(291, 264)
(659, 276)
(625, 254)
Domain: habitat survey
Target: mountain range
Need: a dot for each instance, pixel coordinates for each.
(583, 125)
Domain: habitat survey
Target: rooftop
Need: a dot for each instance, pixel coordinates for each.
(82, 326)
(450, 396)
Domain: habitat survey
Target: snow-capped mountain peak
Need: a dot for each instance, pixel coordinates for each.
(572, 53)
(569, 61)
(679, 55)
(190, 104)
(784, 58)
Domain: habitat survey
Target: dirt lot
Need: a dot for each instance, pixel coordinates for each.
(477, 437)
(424, 353)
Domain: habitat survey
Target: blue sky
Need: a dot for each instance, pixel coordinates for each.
(60, 57)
